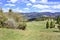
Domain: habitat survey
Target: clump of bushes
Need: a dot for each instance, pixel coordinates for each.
(50, 24)
(22, 26)
(58, 19)
(3, 18)
(58, 27)
(12, 20)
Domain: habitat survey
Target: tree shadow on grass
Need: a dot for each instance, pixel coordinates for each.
(56, 31)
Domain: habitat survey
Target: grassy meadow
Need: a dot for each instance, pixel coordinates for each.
(35, 30)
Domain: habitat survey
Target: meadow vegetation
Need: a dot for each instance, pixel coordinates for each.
(44, 29)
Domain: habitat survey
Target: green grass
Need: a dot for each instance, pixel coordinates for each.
(34, 31)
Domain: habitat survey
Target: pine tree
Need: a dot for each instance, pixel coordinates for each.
(52, 24)
(47, 25)
(58, 19)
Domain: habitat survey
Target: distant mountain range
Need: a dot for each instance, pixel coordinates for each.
(39, 14)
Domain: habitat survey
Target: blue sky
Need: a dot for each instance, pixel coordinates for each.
(30, 5)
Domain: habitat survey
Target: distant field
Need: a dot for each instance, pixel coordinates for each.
(35, 31)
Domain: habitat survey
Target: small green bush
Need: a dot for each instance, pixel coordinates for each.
(58, 20)
(52, 24)
(22, 26)
(58, 27)
(47, 25)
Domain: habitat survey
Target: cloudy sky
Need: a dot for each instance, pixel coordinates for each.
(30, 5)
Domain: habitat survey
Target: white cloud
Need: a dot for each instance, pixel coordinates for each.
(46, 10)
(20, 11)
(41, 6)
(54, 3)
(33, 1)
(39, 1)
(17, 10)
(44, 1)
(26, 8)
(29, 4)
(5, 9)
(9, 4)
(13, 1)
(56, 6)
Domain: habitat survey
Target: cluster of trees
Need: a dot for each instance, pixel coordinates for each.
(58, 22)
(52, 24)
(12, 20)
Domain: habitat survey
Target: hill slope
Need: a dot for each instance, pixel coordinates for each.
(34, 31)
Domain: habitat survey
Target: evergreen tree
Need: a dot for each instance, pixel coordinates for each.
(47, 25)
(52, 24)
(58, 19)
(58, 26)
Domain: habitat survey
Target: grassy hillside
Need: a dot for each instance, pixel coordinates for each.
(34, 31)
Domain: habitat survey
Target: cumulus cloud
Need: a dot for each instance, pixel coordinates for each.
(41, 6)
(6, 9)
(39, 1)
(44, 1)
(28, 4)
(13, 1)
(26, 8)
(9, 4)
(33, 1)
(56, 6)
(17, 10)
(46, 10)
(20, 11)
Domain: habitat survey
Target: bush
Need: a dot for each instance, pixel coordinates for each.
(12, 20)
(58, 27)
(22, 26)
(58, 19)
(3, 18)
(47, 25)
(52, 24)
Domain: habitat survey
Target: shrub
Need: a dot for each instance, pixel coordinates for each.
(22, 26)
(52, 24)
(3, 18)
(58, 27)
(12, 20)
(58, 19)
(47, 25)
